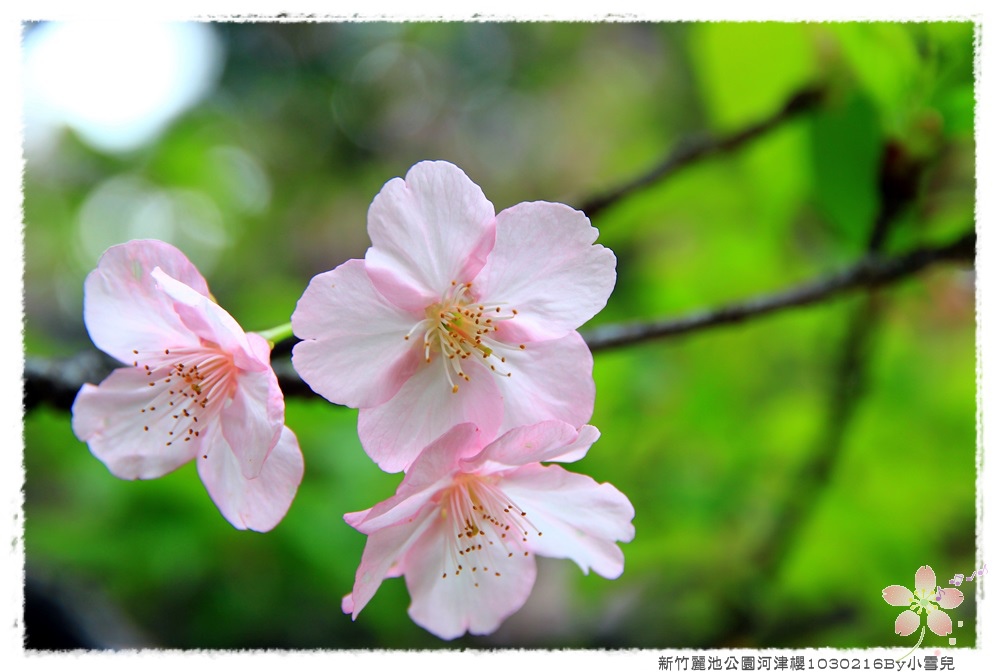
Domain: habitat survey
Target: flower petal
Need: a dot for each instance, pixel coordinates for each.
(907, 623)
(545, 264)
(579, 519)
(939, 622)
(551, 380)
(348, 328)
(433, 469)
(476, 602)
(897, 596)
(124, 308)
(925, 581)
(951, 598)
(394, 433)
(132, 443)
(383, 551)
(252, 423)
(547, 441)
(427, 231)
(209, 321)
(258, 503)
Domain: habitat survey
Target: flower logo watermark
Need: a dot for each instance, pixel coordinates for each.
(928, 598)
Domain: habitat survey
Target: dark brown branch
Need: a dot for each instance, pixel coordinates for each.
(869, 273)
(56, 381)
(692, 151)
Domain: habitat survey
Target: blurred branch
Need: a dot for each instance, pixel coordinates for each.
(869, 273)
(56, 381)
(692, 151)
(898, 180)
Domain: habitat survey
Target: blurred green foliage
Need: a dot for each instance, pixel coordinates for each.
(268, 180)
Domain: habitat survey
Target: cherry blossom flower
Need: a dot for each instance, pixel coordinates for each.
(466, 523)
(195, 386)
(455, 315)
(925, 598)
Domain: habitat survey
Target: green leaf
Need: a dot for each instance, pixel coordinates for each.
(846, 153)
(884, 59)
(746, 71)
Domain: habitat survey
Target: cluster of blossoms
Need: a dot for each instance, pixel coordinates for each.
(455, 337)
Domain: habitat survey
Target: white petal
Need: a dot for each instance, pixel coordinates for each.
(394, 433)
(549, 441)
(550, 380)
(578, 518)
(125, 309)
(210, 322)
(252, 421)
(253, 503)
(131, 441)
(354, 351)
(546, 266)
(433, 470)
(380, 559)
(449, 604)
(426, 231)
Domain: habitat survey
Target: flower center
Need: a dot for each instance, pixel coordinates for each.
(459, 328)
(486, 530)
(191, 382)
(924, 601)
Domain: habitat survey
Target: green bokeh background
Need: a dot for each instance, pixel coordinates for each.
(707, 434)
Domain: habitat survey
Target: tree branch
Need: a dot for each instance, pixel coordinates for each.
(868, 273)
(899, 177)
(56, 381)
(692, 151)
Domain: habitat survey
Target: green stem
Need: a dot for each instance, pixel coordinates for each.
(277, 334)
(922, 630)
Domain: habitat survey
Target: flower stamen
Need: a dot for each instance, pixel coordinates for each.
(487, 528)
(458, 327)
(191, 381)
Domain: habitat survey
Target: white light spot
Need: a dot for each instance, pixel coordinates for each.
(117, 83)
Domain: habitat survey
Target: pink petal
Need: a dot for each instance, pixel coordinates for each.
(394, 433)
(349, 328)
(545, 266)
(939, 622)
(907, 623)
(258, 503)
(550, 380)
(427, 231)
(897, 596)
(578, 518)
(452, 605)
(951, 598)
(577, 450)
(551, 440)
(123, 306)
(210, 322)
(925, 581)
(130, 442)
(433, 470)
(383, 550)
(252, 422)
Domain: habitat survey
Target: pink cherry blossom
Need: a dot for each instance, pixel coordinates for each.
(467, 521)
(927, 598)
(195, 386)
(455, 315)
